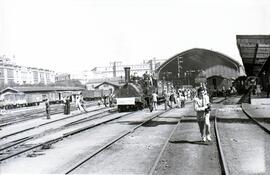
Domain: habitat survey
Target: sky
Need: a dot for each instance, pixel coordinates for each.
(74, 35)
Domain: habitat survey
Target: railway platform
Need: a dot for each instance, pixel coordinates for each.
(259, 99)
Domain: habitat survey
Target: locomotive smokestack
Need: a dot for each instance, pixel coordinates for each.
(127, 74)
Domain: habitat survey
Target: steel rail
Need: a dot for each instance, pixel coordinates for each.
(255, 121)
(163, 148)
(61, 137)
(34, 127)
(112, 142)
(18, 141)
(55, 111)
(224, 166)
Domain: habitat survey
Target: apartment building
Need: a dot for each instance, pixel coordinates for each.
(13, 74)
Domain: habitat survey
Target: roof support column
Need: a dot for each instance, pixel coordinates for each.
(255, 57)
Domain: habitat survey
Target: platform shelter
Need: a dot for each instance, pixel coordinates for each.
(197, 65)
(255, 53)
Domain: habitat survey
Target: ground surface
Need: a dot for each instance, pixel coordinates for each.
(245, 145)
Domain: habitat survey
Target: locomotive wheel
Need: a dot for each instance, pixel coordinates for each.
(119, 108)
(139, 106)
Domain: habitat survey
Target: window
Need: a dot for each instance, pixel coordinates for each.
(10, 73)
(35, 76)
(2, 72)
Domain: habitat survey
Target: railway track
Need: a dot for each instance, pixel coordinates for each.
(244, 134)
(47, 123)
(223, 163)
(255, 121)
(152, 170)
(20, 141)
(222, 160)
(105, 146)
(20, 148)
(39, 114)
(220, 156)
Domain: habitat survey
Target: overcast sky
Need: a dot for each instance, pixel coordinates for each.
(72, 35)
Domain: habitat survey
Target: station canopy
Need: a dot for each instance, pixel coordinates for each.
(254, 51)
(199, 60)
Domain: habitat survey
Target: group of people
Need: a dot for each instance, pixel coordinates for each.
(107, 100)
(202, 106)
(79, 104)
(178, 97)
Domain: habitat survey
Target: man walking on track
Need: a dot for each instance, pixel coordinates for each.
(203, 108)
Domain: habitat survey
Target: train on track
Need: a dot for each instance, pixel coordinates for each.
(243, 83)
(16, 100)
(137, 92)
(13, 98)
(95, 94)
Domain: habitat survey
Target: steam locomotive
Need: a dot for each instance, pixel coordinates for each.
(136, 93)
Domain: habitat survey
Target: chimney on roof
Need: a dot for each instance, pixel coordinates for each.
(127, 74)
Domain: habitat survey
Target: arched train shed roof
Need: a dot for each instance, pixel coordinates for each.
(198, 59)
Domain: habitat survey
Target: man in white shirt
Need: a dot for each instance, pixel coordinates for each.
(79, 105)
(202, 107)
(155, 96)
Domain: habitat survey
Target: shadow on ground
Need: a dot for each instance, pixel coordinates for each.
(197, 142)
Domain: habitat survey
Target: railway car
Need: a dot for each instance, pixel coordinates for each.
(13, 99)
(95, 94)
(243, 83)
(33, 99)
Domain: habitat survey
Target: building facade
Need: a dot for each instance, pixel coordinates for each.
(82, 76)
(116, 69)
(13, 74)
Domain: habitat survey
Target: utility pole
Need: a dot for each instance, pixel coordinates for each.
(179, 67)
(114, 66)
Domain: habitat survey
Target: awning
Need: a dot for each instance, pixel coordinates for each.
(254, 51)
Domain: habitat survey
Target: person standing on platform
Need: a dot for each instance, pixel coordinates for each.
(155, 96)
(78, 104)
(82, 103)
(47, 106)
(67, 105)
(182, 99)
(171, 99)
(105, 100)
(202, 107)
(258, 90)
(111, 98)
(167, 98)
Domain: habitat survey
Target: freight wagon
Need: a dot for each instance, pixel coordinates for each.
(13, 98)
